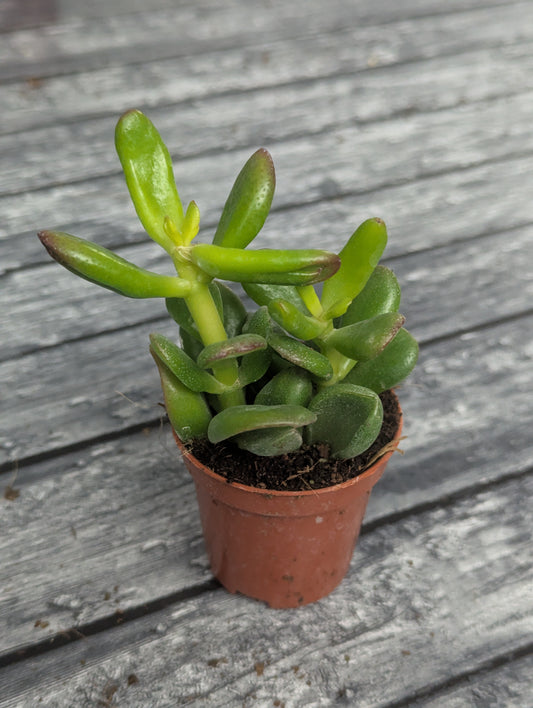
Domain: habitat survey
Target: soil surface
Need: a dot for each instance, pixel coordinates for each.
(307, 468)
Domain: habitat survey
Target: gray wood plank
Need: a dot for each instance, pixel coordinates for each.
(80, 504)
(105, 557)
(345, 160)
(420, 214)
(84, 149)
(504, 687)
(189, 28)
(416, 600)
(68, 308)
(184, 78)
(367, 11)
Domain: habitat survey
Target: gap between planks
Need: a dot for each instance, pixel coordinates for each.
(381, 614)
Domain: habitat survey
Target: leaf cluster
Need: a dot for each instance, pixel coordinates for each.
(304, 367)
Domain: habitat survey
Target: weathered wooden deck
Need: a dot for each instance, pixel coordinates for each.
(418, 111)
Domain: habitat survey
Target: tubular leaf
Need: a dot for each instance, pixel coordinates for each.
(149, 175)
(365, 340)
(359, 257)
(248, 203)
(103, 267)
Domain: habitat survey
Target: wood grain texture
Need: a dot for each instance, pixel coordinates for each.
(183, 30)
(417, 599)
(84, 149)
(421, 146)
(506, 686)
(184, 78)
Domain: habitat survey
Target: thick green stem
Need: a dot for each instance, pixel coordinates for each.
(311, 300)
(340, 364)
(211, 328)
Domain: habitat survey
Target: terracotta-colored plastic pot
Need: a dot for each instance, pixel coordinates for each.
(285, 548)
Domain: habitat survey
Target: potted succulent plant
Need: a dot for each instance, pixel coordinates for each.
(284, 415)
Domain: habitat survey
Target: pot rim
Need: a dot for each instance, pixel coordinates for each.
(362, 478)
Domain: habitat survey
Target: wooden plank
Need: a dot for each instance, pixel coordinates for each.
(416, 599)
(121, 518)
(72, 309)
(420, 214)
(83, 150)
(82, 45)
(456, 442)
(156, 83)
(344, 160)
(507, 686)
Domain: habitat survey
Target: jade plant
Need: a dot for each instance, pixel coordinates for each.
(306, 366)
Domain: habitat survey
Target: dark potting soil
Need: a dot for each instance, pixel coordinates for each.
(307, 468)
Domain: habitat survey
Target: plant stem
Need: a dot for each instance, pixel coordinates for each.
(211, 328)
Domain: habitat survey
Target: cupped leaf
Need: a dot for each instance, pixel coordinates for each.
(271, 441)
(234, 312)
(232, 348)
(365, 340)
(300, 354)
(349, 419)
(148, 170)
(263, 293)
(248, 203)
(183, 367)
(294, 321)
(187, 411)
(103, 267)
(240, 419)
(381, 294)
(278, 266)
(359, 257)
(390, 367)
(290, 386)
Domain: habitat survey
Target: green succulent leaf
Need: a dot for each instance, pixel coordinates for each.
(258, 322)
(103, 267)
(149, 175)
(278, 266)
(349, 419)
(390, 367)
(187, 411)
(240, 419)
(183, 367)
(234, 312)
(248, 203)
(294, 321)
(270, 442)
(365, 340)
(263, 293)
(191, 223)
(381, 294)
(192, 346)
(290, 386)
(300, 354)
(232, 348)
(359, 257)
